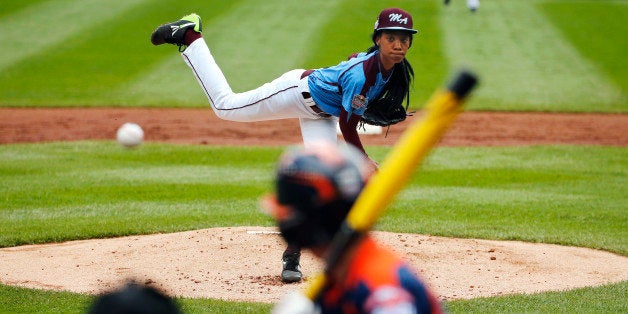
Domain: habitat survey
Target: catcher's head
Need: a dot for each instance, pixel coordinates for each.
(315, 189)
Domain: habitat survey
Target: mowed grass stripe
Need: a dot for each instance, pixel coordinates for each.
(38, 27)
(249, 53)
(192, 174)
(573, 219)
(165, 80)
(10, 7)
(525, 62)
(252, 53)
(598, 29)
(117, 66)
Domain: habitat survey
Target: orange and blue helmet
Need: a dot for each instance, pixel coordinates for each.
(316, 187)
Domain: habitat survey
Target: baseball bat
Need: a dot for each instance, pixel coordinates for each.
(411, 148)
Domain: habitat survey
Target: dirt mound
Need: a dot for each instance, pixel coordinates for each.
(243, 263)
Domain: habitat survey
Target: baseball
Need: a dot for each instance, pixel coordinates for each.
(130, 135)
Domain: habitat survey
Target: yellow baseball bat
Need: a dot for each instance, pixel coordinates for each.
(414, 144)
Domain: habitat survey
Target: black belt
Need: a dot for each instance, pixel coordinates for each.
(307, 95)
(314, 107)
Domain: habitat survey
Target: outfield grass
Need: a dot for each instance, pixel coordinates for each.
(531, 55)
(602, 39)
(571, 195)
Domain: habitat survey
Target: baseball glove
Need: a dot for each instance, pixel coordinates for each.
(384, 115)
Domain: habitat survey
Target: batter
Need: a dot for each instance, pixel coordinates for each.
(367, 277)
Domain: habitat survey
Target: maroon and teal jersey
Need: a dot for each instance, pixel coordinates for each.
(378, 281)
(351, 84)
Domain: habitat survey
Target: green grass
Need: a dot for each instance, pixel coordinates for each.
(532, 59)
(153, 189)
(604, 299)
(20, 300)
(557, 194)
(563, 195)
(569, 195)
(596, 29)
(531, 55)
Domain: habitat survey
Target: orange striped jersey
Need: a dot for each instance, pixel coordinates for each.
(378, 281)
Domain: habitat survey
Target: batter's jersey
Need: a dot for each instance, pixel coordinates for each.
(378, 281)
(351, 84)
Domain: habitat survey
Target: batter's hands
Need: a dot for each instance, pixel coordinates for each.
(294, 302)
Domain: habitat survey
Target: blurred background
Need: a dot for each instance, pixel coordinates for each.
(533, 55)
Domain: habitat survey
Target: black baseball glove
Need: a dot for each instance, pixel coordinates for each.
(384, 115)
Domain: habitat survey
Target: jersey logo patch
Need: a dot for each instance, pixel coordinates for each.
(358, 101)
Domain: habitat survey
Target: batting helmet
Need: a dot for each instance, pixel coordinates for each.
(315, 189)
(134, 298)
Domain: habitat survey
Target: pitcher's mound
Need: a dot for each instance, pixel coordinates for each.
(243, 264)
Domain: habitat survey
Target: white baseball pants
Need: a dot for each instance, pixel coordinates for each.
(280, 99)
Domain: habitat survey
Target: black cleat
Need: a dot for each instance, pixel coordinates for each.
(291, 272)
(174, 33)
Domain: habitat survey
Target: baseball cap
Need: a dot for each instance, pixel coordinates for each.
(394, 19)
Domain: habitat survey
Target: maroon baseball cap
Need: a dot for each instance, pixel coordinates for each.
(394, 19)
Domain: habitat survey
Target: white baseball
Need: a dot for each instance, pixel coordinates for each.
(130, 135)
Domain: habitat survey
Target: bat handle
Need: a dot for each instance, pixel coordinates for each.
(344, 238)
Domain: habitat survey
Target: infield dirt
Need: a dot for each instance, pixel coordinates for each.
(201, 126)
